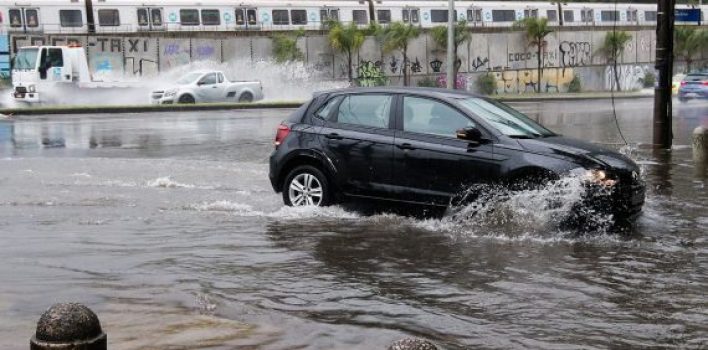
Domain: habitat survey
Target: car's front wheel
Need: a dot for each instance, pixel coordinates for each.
(306, 186)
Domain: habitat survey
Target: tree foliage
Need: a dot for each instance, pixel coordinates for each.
(346, 39)
(536, 31)
(285, 47)
(461, 35)
(613, 48)
(689, 42)
(397, 37)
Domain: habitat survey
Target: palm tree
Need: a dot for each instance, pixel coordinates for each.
(346, 39)
(688, 42)
(462, 34)
(536, 31)
(397, 36)
(613, 48)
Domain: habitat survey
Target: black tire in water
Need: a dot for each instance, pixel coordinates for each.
(306, 185)
(245, 97)
(186, 99)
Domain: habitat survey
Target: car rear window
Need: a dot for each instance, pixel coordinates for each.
(696, 77)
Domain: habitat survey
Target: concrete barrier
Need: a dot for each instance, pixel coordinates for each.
(69, 326)
(700, 149)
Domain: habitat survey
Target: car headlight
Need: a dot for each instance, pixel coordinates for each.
(595, 176)
(170, 93)
(31, 88)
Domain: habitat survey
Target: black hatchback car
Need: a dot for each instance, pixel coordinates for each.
(426, 146)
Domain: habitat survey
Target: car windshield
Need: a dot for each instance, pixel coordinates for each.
(26, 59)
(505, 119)
(189, 78)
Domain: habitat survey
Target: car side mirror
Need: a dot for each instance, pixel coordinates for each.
(200, 83)
(471, 134)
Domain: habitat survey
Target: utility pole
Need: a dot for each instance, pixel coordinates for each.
(663, 134)
(450, 44)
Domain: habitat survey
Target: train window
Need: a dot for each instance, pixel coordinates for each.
(15, 18)
(281, 17)
(503, 15)
(569, 16)
(383, 16)
(251, 16)
(211, 17)
(32, 18)
(474, 15)
(440, 16)
(552, 15)
(406, 15)
(360, 16)
(609, 16)
(334, 15)
(71, 18)
(143, 17)
(240, 17)
(156, 17)
(650, 16)
(587, 16)
(108, 18)
(415, 17)
(298, 16)
(189, 17)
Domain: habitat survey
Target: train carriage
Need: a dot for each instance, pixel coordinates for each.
(43, 16)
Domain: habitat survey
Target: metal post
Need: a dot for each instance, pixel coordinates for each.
(450, 44)
(664, 63)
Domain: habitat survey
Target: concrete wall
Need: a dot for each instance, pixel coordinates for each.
(505, 54)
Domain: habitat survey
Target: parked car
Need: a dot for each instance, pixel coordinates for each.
(425, 146)
(208, 86)
(694, 85)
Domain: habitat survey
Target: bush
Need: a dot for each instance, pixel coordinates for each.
(285, 47)
(427, 82)
(574, 85)
(487, 84)
(649, 79)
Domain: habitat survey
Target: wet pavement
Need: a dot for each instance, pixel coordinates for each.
(166, 225)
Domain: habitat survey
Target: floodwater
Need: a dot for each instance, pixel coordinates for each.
(165, 224)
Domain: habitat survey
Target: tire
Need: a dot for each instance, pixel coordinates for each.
(245, 97)
(186, 99)
(313, 181)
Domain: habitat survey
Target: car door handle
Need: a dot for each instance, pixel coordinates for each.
(334, 136)
(405, 146)
(214, 87)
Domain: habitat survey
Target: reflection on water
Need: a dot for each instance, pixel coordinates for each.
(166, 225)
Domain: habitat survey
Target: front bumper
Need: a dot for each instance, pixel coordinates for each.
(26, 97)
(624, 201)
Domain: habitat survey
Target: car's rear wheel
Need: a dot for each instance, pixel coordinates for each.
(306, 186)
(186, 99)
(245, 97)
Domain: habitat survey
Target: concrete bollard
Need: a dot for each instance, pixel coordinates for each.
(412, 344)
(69, 326)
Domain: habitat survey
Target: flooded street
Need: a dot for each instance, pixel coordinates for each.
(166, 225)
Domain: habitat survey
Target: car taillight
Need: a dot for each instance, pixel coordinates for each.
(683, 83)
(281, 134)
(705, 83)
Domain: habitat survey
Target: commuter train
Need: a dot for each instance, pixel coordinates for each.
(125, 16)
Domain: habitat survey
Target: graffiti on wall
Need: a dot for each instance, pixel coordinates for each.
(370, 74)
(526, 80)
(174, 54)
(630, 76)
(478, 63)
(575, 53)
(139, 56)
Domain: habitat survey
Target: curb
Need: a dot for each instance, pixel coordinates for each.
(264, 105)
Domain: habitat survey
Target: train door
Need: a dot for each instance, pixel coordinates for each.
(474, 16)
(246, 17)
(328, 14)
(531, 12)
(150, 19)
(24, 19)
(411, 15)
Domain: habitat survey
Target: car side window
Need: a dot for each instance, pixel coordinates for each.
(366, 109)
(426, 116)
(209, 79)
(221, 78)
(325, 111)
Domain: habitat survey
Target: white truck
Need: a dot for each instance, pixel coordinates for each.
(208, 86)
(57, 74)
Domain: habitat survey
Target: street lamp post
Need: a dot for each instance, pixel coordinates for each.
(450, 44)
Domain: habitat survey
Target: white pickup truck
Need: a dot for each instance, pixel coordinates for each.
(58, 74)
(208, 86)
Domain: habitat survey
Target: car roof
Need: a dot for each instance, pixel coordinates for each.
(423, 91)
